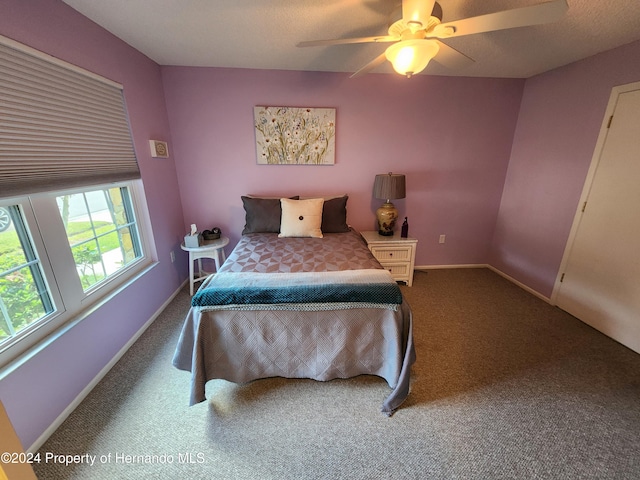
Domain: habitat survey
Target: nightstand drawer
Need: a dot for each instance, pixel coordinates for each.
(398, 271)
(396, 254)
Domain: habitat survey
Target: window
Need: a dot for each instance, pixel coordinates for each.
(102, 232)
(69, 181)
(61, 252)
(24, 294)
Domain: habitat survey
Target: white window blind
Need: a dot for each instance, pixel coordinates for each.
(59, 127)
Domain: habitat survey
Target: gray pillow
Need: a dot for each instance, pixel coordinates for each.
(262, 214)
(334, 215)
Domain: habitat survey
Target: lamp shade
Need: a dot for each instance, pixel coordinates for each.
(389, 186)
(411, 56)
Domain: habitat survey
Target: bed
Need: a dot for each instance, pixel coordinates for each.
(298, 304)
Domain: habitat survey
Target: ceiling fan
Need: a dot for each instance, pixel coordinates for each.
(416, 35)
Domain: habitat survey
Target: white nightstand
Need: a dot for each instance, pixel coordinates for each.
(213, 249)
(396, 254)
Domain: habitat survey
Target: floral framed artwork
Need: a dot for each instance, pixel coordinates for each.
(295, 136)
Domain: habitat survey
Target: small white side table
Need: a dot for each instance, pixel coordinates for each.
(213, 249)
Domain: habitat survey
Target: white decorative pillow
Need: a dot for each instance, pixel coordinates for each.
(301, 218)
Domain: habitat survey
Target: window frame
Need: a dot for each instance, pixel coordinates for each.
(48, 237)
(37, 244)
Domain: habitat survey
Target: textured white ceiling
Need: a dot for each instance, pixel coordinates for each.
(264, 33)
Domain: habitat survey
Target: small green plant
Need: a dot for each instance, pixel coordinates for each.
(86, 256)
(21, 303)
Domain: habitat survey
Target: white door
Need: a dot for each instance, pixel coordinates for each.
(600, 281)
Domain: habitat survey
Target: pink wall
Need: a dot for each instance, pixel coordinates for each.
(557, 129)
(36, 392)
(451, 136)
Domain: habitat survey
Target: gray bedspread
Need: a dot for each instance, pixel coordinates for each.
(321, 341)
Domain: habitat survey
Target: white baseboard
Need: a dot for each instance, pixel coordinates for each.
(442, 267)
(82, 395)
(521, 285)
(493, 269)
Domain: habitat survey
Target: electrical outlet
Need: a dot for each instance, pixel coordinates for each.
(442, 239)
(172, 255)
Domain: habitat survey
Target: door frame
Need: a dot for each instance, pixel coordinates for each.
(586, 189)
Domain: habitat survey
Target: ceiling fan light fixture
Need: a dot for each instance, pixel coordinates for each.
(415, 25)
(410, 57)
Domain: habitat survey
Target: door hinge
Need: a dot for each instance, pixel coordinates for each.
(610, 120)
(562, 278)
(584, 205)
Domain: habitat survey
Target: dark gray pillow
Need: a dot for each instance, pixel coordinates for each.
(262, 214)
(334, 215)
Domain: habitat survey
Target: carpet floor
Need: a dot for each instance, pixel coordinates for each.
(505, 387)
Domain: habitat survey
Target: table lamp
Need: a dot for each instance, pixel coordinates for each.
(389, 186)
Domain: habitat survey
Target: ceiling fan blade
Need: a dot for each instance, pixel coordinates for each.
(379, 60)
(342, 41)
(518, 17)
(451, 58)
(417, 11)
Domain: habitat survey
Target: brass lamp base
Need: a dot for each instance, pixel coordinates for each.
(387, 215)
